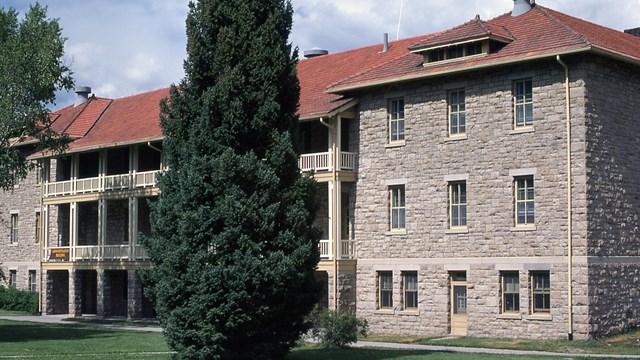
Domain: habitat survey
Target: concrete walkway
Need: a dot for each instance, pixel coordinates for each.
(58, 319)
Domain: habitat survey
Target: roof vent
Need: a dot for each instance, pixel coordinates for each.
(83, 95)
(385, 42)
(520, 7)
(315, 52)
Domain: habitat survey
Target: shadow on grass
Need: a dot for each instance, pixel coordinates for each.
(11, 331)
(313, 353)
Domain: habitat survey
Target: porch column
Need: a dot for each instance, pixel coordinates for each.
(103, 305)
(75, 293)
(134, 295)
(47, 290)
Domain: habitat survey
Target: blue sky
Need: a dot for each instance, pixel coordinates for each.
(124, 47)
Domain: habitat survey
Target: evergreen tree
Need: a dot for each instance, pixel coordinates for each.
(31, 71)
(233, 246)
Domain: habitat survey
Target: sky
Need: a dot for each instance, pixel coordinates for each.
(124, 47)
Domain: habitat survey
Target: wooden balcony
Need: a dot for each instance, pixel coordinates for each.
(324, 162)
(95, 252)
(136, 180)
(346, 251)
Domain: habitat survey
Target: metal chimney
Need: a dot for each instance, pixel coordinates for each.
(634, 32)
(83, 95)
(315, 52)
(385, 42)
(520, 7)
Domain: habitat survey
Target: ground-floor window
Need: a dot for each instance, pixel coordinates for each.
(510, 283)
(13, 278)
(540, 292)
(410, 284)
(33, 283)
(385, 289)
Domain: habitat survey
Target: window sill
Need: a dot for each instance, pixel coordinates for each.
(384, 312)
(395, 144)
(523, 228)
(13, 244)
(409, 313)
(539, 317)
(510, 316)
(461, 230)
(522, 130)
(396, 233)
(455, 138)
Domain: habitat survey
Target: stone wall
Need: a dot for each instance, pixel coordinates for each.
(488, 157)
(613, 193)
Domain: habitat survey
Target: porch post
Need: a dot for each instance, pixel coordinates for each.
(75, 293)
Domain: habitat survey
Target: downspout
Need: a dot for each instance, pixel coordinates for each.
(334, 177)
(569, 207)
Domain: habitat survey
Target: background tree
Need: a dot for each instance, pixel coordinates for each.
(31, 71)
(233, 245)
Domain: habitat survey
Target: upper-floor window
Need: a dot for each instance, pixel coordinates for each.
(523, 103)
(474, 48)
(540, 292)
(14, 228)
(510, 285)
(455, 52)
(396, 120)
(42, 170)
(385, 290)
(397, 207)
(410, 289)
(38, 228)
(524, 200)
(457, 204)
(457, 118)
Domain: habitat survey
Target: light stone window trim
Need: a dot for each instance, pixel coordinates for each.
(456, 177)
(394, 95)
(456, 85)
(397, 208)
(458, 205)
(522, 98)
(524, 200)
(523, 172)
(521, 75)
(395, 182)
(456, 138)
(456, 113)
(395, 144)
(396, 120)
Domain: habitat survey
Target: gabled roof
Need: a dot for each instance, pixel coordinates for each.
(539, 33)
(471, 30)
(319, 73)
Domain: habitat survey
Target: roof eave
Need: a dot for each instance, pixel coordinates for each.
(616, 55)
(95, 147)
(332, 113)
(362, 86)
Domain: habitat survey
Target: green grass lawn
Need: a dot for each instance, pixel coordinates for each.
(13, 313)
(53, 341)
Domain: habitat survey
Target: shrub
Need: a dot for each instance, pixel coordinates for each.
(18, 300)
(337, 329)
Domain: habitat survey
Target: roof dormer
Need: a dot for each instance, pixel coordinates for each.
(472, 39)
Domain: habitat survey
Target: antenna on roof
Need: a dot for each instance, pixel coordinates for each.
(399, 19)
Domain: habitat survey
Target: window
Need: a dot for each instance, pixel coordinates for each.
(396, 120)
(410, 289)
(14, 228)
(455, 52)
(385, 288)
(13, 277)
(33, 283)
(525, 214)
(397, 207)
(457, 121)
(474, 48)
(540, 292)
(436, 55)
(510, 291)
(523, 103)
(457, 204)
(38, 228)
(42, 170)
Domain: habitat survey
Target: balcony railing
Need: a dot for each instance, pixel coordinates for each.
(135, 180)
(347, 249)
(95, 252)
(324, 161)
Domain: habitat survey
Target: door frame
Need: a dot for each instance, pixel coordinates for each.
(457, 322)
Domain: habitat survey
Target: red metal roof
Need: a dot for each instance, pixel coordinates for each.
(537, 33)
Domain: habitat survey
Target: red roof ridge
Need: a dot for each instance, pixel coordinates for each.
(548, 14)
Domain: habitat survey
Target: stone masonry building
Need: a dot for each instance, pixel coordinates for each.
(478, 181)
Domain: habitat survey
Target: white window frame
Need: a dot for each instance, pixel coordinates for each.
(13, 278)
(540, 288)
(38, 226)
(385, 288)
(524, 197)
(33, 280)
(458, 204)
(409, 292)
(397, 208)
(522, 103)
(396, 120)
(15, 226)
(507, 290)
(457, 111)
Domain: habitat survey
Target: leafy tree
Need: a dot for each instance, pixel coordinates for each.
(233, 245)
(31, 71)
